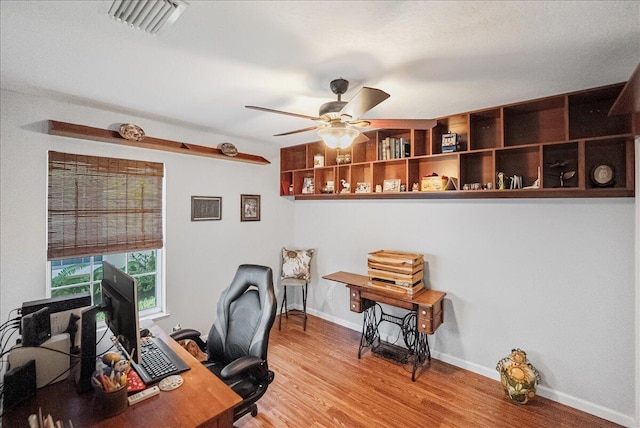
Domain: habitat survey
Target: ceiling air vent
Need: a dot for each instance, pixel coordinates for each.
(147, 15)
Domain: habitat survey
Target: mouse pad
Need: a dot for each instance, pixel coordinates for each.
(170, 383)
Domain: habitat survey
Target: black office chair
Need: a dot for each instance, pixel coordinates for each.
(237, 343)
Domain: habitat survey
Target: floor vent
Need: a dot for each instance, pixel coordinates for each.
(147, 15)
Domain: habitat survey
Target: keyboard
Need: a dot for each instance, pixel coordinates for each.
(158, 361)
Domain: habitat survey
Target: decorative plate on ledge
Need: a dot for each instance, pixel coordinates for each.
(228, 149)
(131, 132)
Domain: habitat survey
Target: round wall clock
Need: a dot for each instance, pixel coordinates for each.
(603, 175)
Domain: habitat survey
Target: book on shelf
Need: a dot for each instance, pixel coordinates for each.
(405, 148)
(394, 148)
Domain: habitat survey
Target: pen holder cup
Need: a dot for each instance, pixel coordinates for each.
(110, 403)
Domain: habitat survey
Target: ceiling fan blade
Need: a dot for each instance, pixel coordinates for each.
(270, 110)
(311, 128)
(361, 138)
(364, 101)
(402, 123)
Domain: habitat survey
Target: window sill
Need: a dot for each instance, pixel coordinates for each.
(145, 321)
(150, 319)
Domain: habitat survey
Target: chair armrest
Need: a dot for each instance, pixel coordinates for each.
(188, 333)
(184, 333)
(240, 365)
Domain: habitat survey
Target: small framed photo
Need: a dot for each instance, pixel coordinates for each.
(308, 185)
(363, 187)
(450, 142)
(391, 185)
(205, 208)
(249, 207)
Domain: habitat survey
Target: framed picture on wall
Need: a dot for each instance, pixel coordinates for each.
(206, 208)
(249, 207)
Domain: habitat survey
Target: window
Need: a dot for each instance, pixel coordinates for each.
(82, 274)
(105, 209)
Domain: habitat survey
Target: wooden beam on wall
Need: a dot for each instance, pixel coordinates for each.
(108, 136)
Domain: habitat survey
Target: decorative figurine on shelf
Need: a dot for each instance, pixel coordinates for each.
(560, 166)
(415, 187)
(519, 378)
(501, 181)
(343, 159)
(346, 187)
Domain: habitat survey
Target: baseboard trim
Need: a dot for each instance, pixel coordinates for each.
(543, 391)
(491, 373)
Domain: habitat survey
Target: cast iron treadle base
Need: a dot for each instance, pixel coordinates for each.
(392, 352)
(417, 351)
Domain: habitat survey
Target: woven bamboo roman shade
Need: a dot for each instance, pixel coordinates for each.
(103, 205)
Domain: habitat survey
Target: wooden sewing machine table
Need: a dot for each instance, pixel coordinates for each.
(424, 317)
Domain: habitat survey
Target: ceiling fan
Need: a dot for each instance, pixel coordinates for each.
(339, 122)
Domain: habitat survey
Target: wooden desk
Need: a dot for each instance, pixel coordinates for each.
(425, 316)
(202, 401)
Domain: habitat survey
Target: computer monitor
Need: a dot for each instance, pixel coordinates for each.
(120, 303)
(120, 307)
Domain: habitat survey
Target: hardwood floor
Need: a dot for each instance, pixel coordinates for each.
(320, 382)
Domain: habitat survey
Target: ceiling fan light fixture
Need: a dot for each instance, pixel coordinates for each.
(338, 137)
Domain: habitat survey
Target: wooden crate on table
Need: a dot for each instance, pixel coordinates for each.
(396, 272)
(387, 286)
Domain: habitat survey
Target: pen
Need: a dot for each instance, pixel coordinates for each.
(131, 359)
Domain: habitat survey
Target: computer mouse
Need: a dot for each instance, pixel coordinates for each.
(145, 332)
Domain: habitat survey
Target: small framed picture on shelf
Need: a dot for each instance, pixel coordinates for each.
(205, 208)
(308, 185)
(391, 185)
(249, 207)
(363, 187)
(450, 142)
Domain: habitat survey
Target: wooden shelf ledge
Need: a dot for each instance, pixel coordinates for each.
(108, 136)
(477, 194)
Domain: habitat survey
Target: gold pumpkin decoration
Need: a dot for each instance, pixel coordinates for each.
(519, 378)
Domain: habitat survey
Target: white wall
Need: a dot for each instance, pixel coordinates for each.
(201, 257)
(553, 277)
(637, 323)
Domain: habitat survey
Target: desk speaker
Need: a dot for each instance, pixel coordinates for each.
(19, 385)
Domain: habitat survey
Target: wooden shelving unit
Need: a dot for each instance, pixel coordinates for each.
(109, 136)
(524, 139)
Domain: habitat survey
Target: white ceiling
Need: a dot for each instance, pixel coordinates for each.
(434, 58)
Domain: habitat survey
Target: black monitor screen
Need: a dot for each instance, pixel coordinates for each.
(120, 299)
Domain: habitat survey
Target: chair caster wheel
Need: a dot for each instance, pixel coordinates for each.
(254, 410)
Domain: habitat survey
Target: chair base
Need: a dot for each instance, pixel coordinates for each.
(253, 409)
(284, 307)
